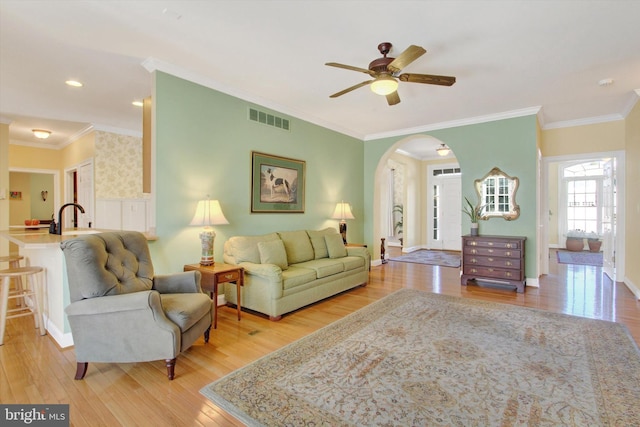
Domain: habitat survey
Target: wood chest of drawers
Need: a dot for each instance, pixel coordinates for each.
(496, 260)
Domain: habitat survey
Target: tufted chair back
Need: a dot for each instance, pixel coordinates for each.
(108, 264)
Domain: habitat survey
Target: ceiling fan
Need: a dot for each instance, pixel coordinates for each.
(386, 73)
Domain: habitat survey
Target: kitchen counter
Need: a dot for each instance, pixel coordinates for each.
(40, 238)
(39, 248)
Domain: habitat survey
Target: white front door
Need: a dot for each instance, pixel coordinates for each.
(444, 216)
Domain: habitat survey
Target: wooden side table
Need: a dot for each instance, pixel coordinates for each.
(213, 275)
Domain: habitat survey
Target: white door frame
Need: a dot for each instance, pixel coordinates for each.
(68, 193)
(428, 187)
(620, 202)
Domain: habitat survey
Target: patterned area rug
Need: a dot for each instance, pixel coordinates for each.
(424, 256)
(581, 258)
(421, 359)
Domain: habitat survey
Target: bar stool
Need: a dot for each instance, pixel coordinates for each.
(31, 295)
(14, 262)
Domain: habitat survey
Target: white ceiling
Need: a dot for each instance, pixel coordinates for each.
(509, 57)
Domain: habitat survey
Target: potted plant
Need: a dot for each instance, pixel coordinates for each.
(575, 240)
(474, 215)
(594, 242)
(397, 227)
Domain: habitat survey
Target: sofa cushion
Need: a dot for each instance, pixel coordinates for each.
(298, 246)
(352, 262)
(323, 267)
(185, 310)
(245, 248)
(335, 246)
(318, 243)
(296, 276)
(272, 252)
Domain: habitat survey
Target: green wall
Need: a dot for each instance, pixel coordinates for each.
(509, 144)
(203, 147)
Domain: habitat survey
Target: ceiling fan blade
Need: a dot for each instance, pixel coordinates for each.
(409, 55)
(427, 79)
(393, 98)
(352, 68)
(349, 89)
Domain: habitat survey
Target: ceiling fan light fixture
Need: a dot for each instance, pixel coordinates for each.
(41, 133)
(443, 150)
(384, 85)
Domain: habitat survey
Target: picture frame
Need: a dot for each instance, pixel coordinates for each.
(277, 184)
(15, 195)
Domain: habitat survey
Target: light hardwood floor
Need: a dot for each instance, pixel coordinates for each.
(34, 370)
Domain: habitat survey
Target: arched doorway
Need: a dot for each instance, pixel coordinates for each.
(404, 176)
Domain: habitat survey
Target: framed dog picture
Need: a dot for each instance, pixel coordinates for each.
(277, 184)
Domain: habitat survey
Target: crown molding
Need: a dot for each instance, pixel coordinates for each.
(153, 64)
(633, 99)
(73, 138)
(583, 122)
(456, 123)
(42, 145)
(6, 120)
(119, 131)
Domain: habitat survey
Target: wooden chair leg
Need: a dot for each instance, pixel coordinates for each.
(81, 370)
(170, 364)
(206, 334)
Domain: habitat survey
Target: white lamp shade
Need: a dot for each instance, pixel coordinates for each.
(343, 211)
(384, 85)
(208, 213)
(443, 150)
(41, 133)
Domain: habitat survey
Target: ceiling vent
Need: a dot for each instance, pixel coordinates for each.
(268, 119)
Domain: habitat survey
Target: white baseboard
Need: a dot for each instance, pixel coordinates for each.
(534, 283)
(632, 287)
(63, 339)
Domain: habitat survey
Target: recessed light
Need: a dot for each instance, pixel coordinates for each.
(41, 133)
(74, 83)
(605, 82)
(137, 103)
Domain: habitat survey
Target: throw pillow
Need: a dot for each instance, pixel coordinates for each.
(318, 243)
(273, 252)
(335, 246)
(298, 246)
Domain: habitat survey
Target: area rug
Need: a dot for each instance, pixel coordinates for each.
(581, 258)
(419, 359)
(424, 256)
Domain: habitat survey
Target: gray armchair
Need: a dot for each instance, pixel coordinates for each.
(120, 312)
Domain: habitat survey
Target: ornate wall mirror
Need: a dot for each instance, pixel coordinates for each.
(497, 195)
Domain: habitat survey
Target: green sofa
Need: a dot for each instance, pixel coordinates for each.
(288, 270)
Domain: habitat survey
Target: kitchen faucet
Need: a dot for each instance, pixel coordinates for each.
(53, 229)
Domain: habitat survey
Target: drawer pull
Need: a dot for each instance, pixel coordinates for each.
(490, 259)
(228, 276)
(490, 243)
(490, 269)
(490, 251)
(473, 270)
(507, 253)
(508, 274)
(473, 251)
(473, 243)
(509, 263)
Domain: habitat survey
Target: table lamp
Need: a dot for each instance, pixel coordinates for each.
(343, 212)
(208, 213)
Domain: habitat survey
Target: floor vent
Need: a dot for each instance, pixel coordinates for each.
(268, 119)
